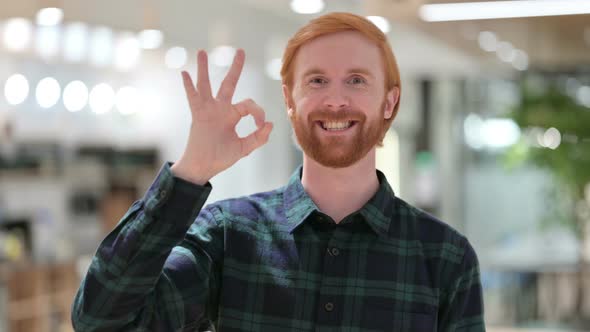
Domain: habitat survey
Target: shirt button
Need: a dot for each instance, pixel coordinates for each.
(163, 193)
(329, 306)
(335, 252)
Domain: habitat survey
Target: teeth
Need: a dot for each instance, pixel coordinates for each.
(333, 125)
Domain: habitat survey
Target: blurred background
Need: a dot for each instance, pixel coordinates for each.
(493, 133)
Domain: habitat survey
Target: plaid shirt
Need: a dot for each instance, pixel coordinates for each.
(273, 262)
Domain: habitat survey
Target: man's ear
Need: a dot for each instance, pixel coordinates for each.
(391, 99)
(288, 100)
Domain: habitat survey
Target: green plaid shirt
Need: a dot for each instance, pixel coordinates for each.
(273, 262)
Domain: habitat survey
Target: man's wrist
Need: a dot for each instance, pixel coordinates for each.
(189, 174)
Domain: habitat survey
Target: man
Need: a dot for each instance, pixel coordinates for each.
(333, 250)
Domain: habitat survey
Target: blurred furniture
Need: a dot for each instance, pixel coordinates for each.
(39, 297)
(114, 204)
(557, 295)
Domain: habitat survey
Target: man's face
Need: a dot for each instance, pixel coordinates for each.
(338, 102)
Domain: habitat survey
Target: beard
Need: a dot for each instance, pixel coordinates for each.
(337, 151)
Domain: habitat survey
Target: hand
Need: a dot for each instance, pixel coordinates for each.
(213, 144)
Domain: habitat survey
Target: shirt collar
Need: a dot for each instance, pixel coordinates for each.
(377, 212)
(298, 204)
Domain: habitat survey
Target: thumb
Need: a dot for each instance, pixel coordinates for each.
(256, 139)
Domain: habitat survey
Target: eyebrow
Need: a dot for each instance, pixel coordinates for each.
(316, 71)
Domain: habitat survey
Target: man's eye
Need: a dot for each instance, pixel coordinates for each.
(357, 80)
(317, 80)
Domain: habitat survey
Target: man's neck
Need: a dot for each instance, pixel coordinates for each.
(339, 192)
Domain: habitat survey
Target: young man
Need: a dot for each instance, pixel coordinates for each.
(333, 250)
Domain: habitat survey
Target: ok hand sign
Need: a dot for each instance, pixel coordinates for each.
(213, 144)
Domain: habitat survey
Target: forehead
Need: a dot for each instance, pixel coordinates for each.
(339, 51)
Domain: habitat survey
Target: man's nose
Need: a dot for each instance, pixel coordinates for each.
(336, 98)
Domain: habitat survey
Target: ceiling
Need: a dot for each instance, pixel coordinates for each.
(552, 43)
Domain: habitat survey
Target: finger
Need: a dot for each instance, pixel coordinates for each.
(189, 87)
(203, 84)
(228, 86)
(256, 139)
(248, 106)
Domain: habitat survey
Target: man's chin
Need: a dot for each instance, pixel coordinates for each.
(336, 163)
(334, 160)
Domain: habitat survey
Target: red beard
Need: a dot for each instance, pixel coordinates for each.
(337, 151)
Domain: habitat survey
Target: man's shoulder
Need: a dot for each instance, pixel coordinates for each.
(431, 232)
(251, 206)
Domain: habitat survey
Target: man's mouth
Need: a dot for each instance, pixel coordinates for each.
(336, 125)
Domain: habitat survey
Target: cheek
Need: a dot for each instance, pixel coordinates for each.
(307, 102)
(368, 103)
(364, 98)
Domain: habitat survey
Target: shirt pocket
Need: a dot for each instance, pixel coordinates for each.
(382, 319)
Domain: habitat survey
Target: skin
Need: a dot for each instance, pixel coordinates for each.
(339, 75)
(213, 144)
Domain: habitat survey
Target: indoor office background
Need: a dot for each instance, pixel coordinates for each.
(492, 136)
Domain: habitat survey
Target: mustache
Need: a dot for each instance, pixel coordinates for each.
(339, 115)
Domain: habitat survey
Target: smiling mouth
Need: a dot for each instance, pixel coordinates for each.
(336, 125)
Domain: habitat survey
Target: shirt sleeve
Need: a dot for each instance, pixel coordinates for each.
(157, 270)
(462, 307)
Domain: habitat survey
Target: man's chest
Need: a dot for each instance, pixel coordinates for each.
(331, 279)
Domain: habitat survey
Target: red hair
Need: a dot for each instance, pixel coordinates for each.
(338, 22)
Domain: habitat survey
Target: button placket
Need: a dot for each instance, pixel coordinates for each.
(328, 312)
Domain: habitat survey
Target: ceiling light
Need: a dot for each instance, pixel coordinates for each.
(150, 39)
(521, 60)
(127, 51)
(17, 33)
(102, 98)
(75, 96)
(101, 46)
(539, 138)
(505, 51)
(552, 138)
(47, 41)
(472, 128)
(47, 92)
(75, 37)
(16, 89)
(492, 133)
(502, 9)
(307, 6)
(49, 16)
(222, 56)
(380, 22)
(487, 41)
(500, 133)
(175, 57)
